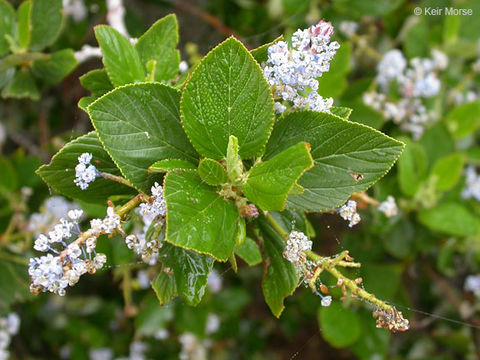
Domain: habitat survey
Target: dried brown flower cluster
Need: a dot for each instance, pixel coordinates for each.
(393, 321)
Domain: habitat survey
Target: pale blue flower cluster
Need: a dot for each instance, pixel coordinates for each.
(293, 73)
(85, 172)
(416, 81)
(63, 265)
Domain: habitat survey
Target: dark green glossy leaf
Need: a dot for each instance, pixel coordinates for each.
(120, 58)
(139, 124)
(342, 151)
(197, 217)
(56, 67)
(270, 182)
(212, 172)
(46, 19)
(159, 44)
(280, 279)
(227, 95)
(167, 165)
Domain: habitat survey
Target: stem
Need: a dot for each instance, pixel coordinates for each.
(362, 196)
(132, 203)
(116, 178)
(329, 264)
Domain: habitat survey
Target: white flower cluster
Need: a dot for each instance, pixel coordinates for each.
(416, 80)
(64, 264)
(348, 28)
(51, 211)
(388, 207)
(193, 348)
(152, 214)
(472, 284)
(214, 281)
(472, 184)
(85, 172)
(76, 9)
(9, 326)
(326, 300)
(349, 212)
(293, 73)
(297, 244)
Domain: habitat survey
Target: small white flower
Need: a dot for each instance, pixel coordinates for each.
(183, 67)
(214, 281)
(12, 323)
(296, 246)
(41, 243)
(99, 260)
(213, 324)
(472, 184)
(74, 251)
(349, 212)
(326, 301)
(388, 207)
(85, 173)
(75, 214)
(162, 334)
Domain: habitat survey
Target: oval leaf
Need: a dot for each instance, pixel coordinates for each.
(228, 95)
(138, 125)
(343, 152)
(197, 217)
(212, 172)
(270, 182)
(120, 58)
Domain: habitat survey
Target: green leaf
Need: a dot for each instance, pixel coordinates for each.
(464, 119)
(412, 168)
(159, 44)
(373, 342)
(197, 217)
(85, 101)
(234, 162)
(15, 285)
(139, 124)
(60, 173)
(151, 317)
(340, 327)
(270, 182)
(437, 134)
(17, 59)
(167, 165)
(241, 232)
(46, 18)
(190, 271)
(54, 69)
(416, 40)
(447, 171)
(261, 53)
(450, 218)
(164, 287)
(7, 25)
(340, 149)
(227, 95)
(249, 252)
(212, 172)
(121, 60)
(23, 27)
(9, 178)
(280, 279)
(22, 85)
(343, 112)
(97, 82)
